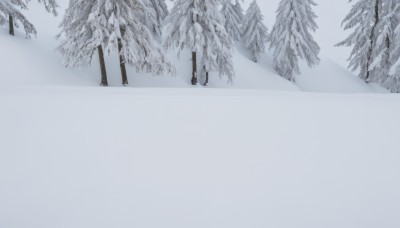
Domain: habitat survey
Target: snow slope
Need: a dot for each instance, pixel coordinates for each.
(43, 66)
(150, 158)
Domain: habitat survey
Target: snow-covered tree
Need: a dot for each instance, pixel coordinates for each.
(103, 26)
(84, 33)
(150, 18)
(155, 15)
(363, 18)
(198, 25)
(218, 48)
(239, 10)
(10, 12)
(391, 27)
(50, 5)
(291, 37)
(3, 19)
(385, 42)
(233, 19)
(255, 32)
(184, 30)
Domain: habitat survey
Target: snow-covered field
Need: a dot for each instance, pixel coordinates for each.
(151, 158)
(263, 152)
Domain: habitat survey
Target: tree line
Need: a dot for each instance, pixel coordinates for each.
(141, 30)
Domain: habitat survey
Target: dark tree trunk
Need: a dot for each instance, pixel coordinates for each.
(206, 82)
(122, 60)
(369, 57)
(104, 81)
(11, 22)
(388, 47)
(194, 65)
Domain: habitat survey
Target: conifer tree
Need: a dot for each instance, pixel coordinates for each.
(255, 32)
(156, 13)
(218, 48)
(10, 12)
(84, 30)
(50, 5)
(291, 37)
(392, 80)
(197, 25)
(102, 26)
(184, 30)
(150, 18)
(239, 10)
(233, 21)
(363, 18)
(385, 42)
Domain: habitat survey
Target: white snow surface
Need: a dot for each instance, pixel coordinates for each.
(149, 158)
(263, 152)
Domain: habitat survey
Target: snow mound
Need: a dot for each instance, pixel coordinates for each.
(329, 77)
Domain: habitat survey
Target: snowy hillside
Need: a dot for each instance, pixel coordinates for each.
(43, 65)
(261, 152)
